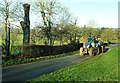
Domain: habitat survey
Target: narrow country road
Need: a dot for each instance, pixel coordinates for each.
(25, 72)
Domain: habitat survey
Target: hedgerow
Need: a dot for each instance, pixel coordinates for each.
(28, 60)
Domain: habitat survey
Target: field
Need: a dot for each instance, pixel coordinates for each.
(18, 41)
(102, 68)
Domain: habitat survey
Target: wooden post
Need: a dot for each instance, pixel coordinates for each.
(26, 25)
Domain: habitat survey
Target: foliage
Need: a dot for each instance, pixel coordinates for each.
(16, 50)
(105, 34)
(96, 32)
(28, 60)
(86, 31)
(101, 68)
(108, 34)
(41, 50)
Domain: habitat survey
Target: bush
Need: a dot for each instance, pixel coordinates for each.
(28, 60)
(16, 50)
(40, 50)
(33, 51)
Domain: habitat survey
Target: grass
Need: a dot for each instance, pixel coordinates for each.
(101, 68)
(19, 41)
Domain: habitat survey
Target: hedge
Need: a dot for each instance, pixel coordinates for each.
(28, 60)
(41, 50)
(33, 51)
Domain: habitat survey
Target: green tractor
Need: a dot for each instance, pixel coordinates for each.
(92, 47)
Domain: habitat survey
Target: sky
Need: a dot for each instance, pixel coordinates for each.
(103, 12)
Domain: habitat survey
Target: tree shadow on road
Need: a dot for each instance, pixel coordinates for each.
(113, 43)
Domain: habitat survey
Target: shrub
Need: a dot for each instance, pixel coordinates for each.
(21, 61)
(40, 50)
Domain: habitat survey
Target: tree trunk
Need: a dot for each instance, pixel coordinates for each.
(8, 45)
(75, 37)
(49, 29)
(70, 39)
(26, 25)
(49, 39)
(60, 42)
(53, 42)
(7, 40)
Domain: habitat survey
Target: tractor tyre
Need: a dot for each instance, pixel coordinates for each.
(91, 53)
(98, 50)
(103, 49)
(81, 51)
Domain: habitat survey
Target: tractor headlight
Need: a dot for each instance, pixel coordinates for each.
(84, 46)
(92, 44)
(88, 46)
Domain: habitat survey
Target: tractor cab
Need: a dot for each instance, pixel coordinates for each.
(91, 39)
(91, 42)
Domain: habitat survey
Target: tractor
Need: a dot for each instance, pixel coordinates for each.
(92, 47)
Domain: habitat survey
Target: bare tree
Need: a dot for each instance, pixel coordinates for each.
(64, 28)
(7, 13)
(35, 34)
(48, 9)
(91, 23)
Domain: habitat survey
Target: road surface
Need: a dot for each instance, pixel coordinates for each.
(28, 71)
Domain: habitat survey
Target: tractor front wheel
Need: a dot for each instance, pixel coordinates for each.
(98, 51)
(81, 51)
(91, 53)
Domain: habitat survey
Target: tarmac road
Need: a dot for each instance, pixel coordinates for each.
(28, 71)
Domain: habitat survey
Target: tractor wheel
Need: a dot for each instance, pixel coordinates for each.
(98, 51)
(81, 51)
(103, 49)
(91, 53)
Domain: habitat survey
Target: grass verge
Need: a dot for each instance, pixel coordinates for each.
(28, 60)
(101, 68)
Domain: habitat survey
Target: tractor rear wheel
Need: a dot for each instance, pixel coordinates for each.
(91, 53)
(103, 49)
(81, 51)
